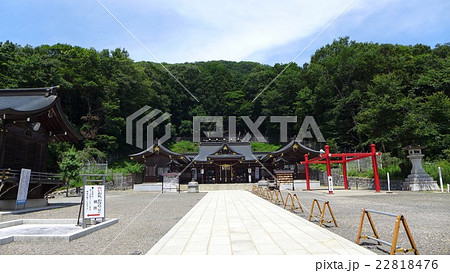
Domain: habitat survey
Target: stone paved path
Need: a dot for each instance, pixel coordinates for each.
(239, 222)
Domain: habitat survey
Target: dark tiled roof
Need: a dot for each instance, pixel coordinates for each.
(19, 104)
(163, 150)
(14, 104)
(241, 149)
(300, 148)
(26, 101)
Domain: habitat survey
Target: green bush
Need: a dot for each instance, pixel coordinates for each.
(431, 168)
(127, 166)
(184, 147)
(70, 166)
(264, 147)
(395, 172)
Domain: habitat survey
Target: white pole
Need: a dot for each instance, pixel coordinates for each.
(389, 182)
(448, 189)
(440, 179)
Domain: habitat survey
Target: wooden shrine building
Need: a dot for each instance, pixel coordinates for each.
(29, 119)
(223, 162)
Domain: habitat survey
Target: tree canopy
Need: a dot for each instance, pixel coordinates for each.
(358, 93)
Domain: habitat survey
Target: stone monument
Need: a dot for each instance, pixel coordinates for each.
(418, 180)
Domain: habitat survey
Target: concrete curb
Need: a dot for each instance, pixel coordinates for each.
(51, 238)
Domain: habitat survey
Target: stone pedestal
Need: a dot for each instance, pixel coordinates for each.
(418, 180)
(193, 187)
(263, 183)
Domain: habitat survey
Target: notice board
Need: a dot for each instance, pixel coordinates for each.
(94, 201)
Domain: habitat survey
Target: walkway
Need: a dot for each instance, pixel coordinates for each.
(239, 222)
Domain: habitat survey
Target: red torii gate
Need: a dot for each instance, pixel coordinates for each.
(326, 158)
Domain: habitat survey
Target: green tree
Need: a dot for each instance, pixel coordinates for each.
(70, 166)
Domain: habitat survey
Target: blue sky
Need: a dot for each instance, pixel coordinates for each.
(176, 31)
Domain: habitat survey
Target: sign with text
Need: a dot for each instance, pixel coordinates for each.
(24, 182)
(171, 182)
(330, 183)
(94, 201)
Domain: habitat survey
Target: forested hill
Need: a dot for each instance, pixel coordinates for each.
(358, 93)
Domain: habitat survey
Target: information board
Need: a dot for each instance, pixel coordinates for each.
(171, 182)
(24, 182)
(94, 201)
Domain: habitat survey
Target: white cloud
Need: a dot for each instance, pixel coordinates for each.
(234, 29)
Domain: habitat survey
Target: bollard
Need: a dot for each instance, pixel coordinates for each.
(389, 183)
(440, 179)
(448, 189)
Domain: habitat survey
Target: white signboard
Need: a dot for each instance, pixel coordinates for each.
(94, 201)
(330, 183)
(171, 182)
(24, 182)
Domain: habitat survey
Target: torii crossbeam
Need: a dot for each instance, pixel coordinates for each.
(342, 158)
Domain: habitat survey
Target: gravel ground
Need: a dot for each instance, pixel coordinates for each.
(426, 214)
(151, 223)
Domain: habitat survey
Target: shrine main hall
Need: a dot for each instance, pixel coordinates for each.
(223, 162)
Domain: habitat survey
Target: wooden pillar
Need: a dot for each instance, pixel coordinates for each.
(308, 186)
(344, 172)
(375, 167)
(329, 176)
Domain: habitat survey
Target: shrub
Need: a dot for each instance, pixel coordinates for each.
(432, 169)
(184, 147)
(70, 166)
(264, 147)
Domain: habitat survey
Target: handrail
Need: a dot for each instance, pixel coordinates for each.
(8, 175)
(381, 212)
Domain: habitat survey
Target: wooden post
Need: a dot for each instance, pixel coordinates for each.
(67, 188)
(395, 237)
(329, 176)
(409, 234)
(308, 186)
(375, 167)
(361, 223)
(344, 172)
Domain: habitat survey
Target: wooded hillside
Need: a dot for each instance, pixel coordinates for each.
(358, 93)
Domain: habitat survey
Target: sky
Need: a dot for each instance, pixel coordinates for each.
(268, 32)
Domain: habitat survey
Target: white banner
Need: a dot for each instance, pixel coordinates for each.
(330, 183)
(94, 201)
(256, 173)
(24, 182)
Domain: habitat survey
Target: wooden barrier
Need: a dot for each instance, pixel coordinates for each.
(326, 204)
(294, 202)
(376, 237)
(270, 194)
(264, 193)
(277, 197)
(260, 191)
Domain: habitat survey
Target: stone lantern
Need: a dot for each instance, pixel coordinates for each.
(418, 180)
